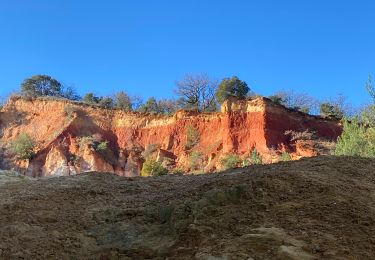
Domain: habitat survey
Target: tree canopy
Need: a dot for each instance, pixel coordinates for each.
(231, 87)
(41, 85)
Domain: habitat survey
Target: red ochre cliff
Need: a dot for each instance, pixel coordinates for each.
(60, 128)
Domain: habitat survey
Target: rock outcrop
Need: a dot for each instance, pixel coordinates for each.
(67, 135)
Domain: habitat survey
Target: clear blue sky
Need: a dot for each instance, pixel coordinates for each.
(322, 47)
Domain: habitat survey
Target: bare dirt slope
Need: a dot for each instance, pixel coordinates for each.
(320, 207)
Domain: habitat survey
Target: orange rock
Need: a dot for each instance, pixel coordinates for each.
(240, 127)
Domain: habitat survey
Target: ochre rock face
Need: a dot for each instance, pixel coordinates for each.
(57, 126)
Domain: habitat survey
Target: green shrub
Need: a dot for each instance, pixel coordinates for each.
(284, 157)
(195, 160)
(356, 140)
(95, 141)
(153, 168)
(23, 147)
(255, 157)
(192, 137)
(230, 161)
(102, 146)
(178, 171)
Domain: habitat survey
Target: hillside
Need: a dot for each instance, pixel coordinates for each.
(321, 207)
(67, 136)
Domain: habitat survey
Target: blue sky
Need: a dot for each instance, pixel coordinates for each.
(321, 47)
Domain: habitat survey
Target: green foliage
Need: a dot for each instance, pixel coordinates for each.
(153, 168)
(90, 98)
(331, 110)
(106, 102)
(277, 99)
(285, 157)
(231, 87)
(192, 137)
(102, 146)
(367, 116)
(23, 147)
(123, 101)
(178, 171)
(231, 161)
(195, 160)
(356, 140)
(41, 85)
(255, 157)
(94, 141)
(151, 106)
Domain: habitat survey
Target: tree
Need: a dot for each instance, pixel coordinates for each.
(167, 106)
(90, 98)
(105, 102)
(231, 87)
(123, 101)
(196, 92)
(151, 106)
(41, 85)
(296, 101)
(70, 93)
(331, 110)
(356, 140)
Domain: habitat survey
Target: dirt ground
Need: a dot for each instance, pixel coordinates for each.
(317, 208)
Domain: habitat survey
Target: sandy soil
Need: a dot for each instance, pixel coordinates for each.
(318, 208)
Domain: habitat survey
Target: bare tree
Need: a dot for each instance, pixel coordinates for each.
(197, 92)
(298, 101)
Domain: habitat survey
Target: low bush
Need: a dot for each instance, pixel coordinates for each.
(23, 147)
(94, 141)
(195, 160)
(153, 168)
(230, 161)
(255, 157)
(284, 157)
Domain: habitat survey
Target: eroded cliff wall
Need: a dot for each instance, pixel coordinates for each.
(60, 128)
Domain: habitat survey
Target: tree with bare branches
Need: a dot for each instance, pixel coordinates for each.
(197, 92)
